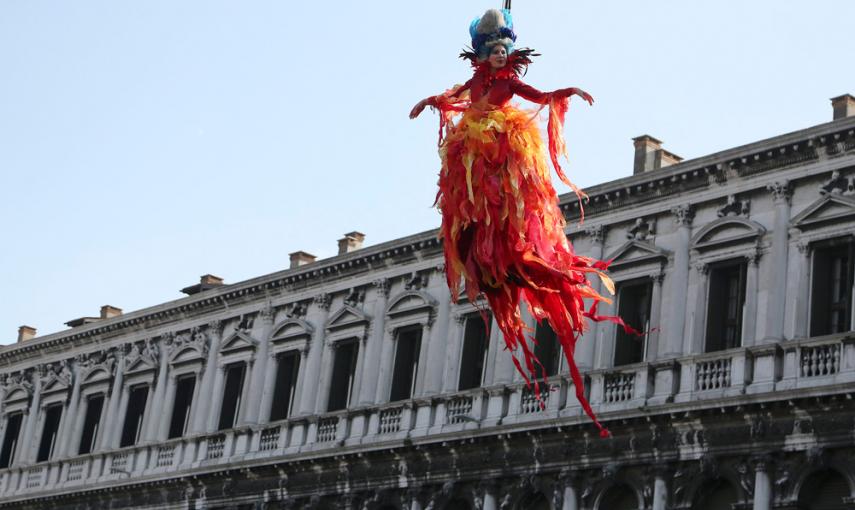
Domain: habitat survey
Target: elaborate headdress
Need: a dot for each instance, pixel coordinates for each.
(494, 27)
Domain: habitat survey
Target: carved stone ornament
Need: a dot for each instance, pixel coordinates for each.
(781, 191)
(641, 230)
(196, 339)
(838, 185)
(355, 297)
(416, 281)
(322, 301)
(267, 313)
(734, 207)
(683, 214)
(59, 372)
(297, 310)
(246, 322)
(596, 233)
(382, 286)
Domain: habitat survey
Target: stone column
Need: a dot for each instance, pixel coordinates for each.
(154, 420)
(323, 397)
(490, 489)
(74, 415)
(112, 423)
(318, 318)
(112, 403)
(25, 451)
(696, 338)
(206, 390)
(679, 286)
(586, 346)
(452, 354)
(749, 324)
(777, 285)
(371, 366)
(660, 490)
(439, 339)
(213, 416)
(762, 485)
(259, 367)
(570, 496)
(653, 347)
(269, 388)
(800, 269)
(384, 374)
(168, 404)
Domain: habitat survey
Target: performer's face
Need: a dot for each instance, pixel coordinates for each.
(498, 56)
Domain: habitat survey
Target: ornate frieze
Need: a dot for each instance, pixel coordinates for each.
(734, 207)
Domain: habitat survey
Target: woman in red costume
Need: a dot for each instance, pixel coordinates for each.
(502, 228)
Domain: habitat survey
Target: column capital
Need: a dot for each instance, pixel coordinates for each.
(596, 233)
(702, 268)
(781, 191)
(684, 214)
(381, 285)
(323, 301)
(267, 313)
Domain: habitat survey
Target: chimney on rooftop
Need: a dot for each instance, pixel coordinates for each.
(108, 312)
(301, 258)
(25, 333)
(844, 106)
(206, 281)
(649, 155)
(351, 241)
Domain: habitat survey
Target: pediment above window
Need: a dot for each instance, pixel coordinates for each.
(17, 393)
(832, 208)
(141, 359)
(96, 374)
(347, 317)
(635, 253)
(410, 303)
(290, 330)
(237, 342)
(727, 231)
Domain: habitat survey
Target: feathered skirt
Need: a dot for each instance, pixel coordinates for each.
(503, 232)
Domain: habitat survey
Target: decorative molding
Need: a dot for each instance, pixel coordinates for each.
(355, 297)
(832, 208)
(726, 232)
(382, 286)
(837, 184)
(634, 253)
(416, 281)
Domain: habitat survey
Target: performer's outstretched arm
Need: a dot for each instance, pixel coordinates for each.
(434, 100)
(536, 96)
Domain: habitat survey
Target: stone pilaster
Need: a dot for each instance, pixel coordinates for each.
(259, 367)
(201, 418)
(318, 317)
(155, 420)
(762, 485)
(776, 302)
(74, 415)
(695, 340)
(368, 388)
(438, 340)
(679, 278)
(749, 324)
(586, 347)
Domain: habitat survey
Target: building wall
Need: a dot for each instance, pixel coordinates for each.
(759, 425)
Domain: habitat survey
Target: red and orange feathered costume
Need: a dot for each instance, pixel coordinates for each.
(502, 229)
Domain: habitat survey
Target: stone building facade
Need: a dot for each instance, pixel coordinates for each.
(354, 382)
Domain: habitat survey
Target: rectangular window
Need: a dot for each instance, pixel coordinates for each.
(10, 439)
(344, 373)
(547, 349)
(475, 342)
(287, 369)
(232, 394)
(132, 428)
(53, 414)
(724, 312)
(634, 308)
(181, 410)
(94, 406)
(831, 292)
(408, 344)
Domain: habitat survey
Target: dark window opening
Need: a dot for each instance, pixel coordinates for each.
(10, 439)
(134, 414)
(831, 293)
(94, 406)
(181, 409)
(287, 370)
(408, 346)
(232, 395)
(726, 299)
(344, 373)
(472, 360)
(53, 414)
(634, 308)
(547, 349)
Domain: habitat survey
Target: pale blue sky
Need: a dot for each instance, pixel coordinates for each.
(143, 144)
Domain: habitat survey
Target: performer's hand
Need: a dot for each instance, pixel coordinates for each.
(584, 95)
(418, 108)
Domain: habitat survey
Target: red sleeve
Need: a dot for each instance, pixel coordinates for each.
(528, 92)
(435, 100)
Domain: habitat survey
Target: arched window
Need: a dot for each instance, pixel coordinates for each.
(824, 490)
(715, 495)
(619, 497)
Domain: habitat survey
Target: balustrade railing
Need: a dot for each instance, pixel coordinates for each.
(216, 446)
(819, 360)
(269, 439)
(327, 429)
(618, 387)
(390, 420)
(459, 409)
(713, 374)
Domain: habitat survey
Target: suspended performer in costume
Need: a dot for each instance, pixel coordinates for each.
(502, 229)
